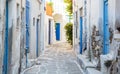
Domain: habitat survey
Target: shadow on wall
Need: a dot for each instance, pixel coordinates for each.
(10, 36)
(117, 24)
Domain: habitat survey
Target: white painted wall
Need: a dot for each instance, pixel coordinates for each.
(58, 18)
(15, 31)
(35, 11)
(42, 39)
(78, 4)
(114, 16)
(2, 23)
(95, 17)
(53, 38)
(14, 52)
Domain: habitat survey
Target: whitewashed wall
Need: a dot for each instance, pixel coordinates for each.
(35, 13)
(95, 17)
(14, 36)
(58, 18)
(15, 9)
(47, 18)
(2, 23)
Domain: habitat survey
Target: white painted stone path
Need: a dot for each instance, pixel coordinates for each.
(57, 59)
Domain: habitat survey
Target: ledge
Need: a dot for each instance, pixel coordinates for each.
(117, 36)
(84, 62)
(93, 71)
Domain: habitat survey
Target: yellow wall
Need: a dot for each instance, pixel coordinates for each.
(48, 9)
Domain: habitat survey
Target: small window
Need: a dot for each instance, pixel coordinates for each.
(33, 21)
(81, 12)
(18, 16)
(117, 25)
(76, 24)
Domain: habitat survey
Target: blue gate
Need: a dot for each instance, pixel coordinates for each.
(6, 45)
(37, 36)
(81, 32)
(27, 28)
(106, 28)
(58, 31)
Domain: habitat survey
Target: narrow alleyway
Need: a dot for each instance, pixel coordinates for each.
(57, 59)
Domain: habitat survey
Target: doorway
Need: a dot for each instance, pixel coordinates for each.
(58, 31)
(6, 45)
(81, 33)
(7, 42)
(49, 32)
(106, 28)
(37, 37)
(27, 29)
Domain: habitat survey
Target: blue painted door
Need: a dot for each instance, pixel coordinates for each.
(37, 36)
(49, 37)
(27, 24)
(27, 29)
(58, 31)
(6, 45)
(81, 32)
(106, 28)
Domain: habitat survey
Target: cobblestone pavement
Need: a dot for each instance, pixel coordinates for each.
(57, 59)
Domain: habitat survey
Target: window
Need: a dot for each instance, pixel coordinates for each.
(18, 17)
(34, 21)
(76, 25)
(81, 12)
(117, 25)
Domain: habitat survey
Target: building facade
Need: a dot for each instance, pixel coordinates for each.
(61, 19)
(2, 27)
(49, 24)
(13, 11)
(21, 34)
(96, 34)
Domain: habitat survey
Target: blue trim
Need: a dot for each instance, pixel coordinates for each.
(105, 29)
(58, 31)
(81, 32)
(27, 29)
(105, 0)
(6, 50)
(27, 24)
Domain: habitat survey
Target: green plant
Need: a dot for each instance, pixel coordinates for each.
(69, 8)
(69, 32)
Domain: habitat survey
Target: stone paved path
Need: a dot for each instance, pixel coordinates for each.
(57, 59)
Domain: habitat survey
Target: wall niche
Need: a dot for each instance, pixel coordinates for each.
(117, 25)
